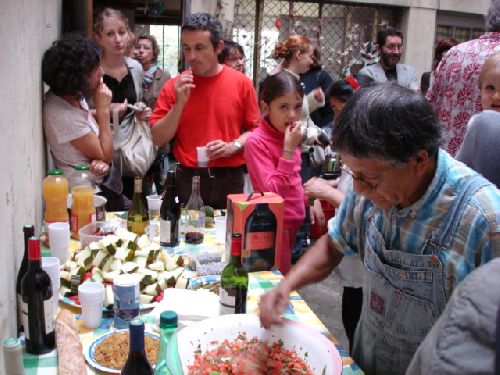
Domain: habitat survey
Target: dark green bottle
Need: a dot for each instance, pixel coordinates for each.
(234, 281)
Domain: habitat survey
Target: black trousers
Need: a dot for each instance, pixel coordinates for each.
(352, 302)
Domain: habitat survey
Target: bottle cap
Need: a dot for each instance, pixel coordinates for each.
(33, 248)
(81, 167)
(136, 325)
(55, 172)
(168, 319)
(11, 344)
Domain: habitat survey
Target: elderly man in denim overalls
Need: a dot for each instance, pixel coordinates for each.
(420, 221)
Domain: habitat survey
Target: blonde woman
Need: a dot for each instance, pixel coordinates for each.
(122, 74)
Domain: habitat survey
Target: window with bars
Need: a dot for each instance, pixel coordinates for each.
(344, 33)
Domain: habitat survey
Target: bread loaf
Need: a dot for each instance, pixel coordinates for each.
(69, 347)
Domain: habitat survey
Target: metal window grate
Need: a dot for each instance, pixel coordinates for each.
(345, 33)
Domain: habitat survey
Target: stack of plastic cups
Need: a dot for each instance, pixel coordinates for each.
(59, 235)
(52, 266)
(91, 296)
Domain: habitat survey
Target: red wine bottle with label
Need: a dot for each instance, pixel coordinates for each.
(170, 213)
(234, 282)
(37, 310)
(137, 363)
(29, 231)
(196, 214)
(260, 239)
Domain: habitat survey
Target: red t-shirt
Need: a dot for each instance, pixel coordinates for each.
(219, 107)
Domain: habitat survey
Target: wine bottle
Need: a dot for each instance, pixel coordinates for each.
(137, 363)
(29, 231)
(234, 282)
(196, 215)
(170, 213)
(137, 214)
(260, 239)
(37, 310)
(168, 361)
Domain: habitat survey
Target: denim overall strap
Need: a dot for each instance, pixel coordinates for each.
(444, 235)
(497, 345)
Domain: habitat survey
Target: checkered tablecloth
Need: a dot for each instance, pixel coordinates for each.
(260, 282)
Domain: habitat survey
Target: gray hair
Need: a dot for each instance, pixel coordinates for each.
(492, 18)
(386, 121)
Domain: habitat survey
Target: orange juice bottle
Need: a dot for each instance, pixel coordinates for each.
(82, 191)
(55, 194)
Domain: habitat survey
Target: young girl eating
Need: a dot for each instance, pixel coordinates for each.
(273, 156)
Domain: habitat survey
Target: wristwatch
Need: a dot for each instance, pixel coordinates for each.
(238, 145)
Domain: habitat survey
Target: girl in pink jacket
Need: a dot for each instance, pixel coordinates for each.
(272, 156)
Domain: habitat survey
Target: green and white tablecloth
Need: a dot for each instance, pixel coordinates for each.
(260, 282)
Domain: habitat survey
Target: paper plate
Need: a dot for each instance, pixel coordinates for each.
(320, 353)
(89, 353)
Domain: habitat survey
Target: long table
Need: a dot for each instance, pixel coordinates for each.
(259, 283)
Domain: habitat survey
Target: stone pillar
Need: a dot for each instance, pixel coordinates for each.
(419, 29)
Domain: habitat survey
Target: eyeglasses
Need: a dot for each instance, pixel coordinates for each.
(363, 182)
(393, 47)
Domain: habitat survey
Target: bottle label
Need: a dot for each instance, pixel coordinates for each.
(259, 240)
(24, 312)
(227, 301)
(165, 227)
(74, 223)
(48, 312)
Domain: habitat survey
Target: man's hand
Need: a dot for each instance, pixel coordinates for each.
(183, 87)
(220, 149)
(145, 114)
(319, 95)
(316, 213)
(98, 167)
(273, 304)
(317, 188)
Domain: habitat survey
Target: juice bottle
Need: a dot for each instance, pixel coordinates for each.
(82, 190)
(55, 195)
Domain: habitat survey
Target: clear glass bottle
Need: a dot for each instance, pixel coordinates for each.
(137, 214)
(55, 196)
(234, 282)
(168, 361)
(196, 215)
(82, 194)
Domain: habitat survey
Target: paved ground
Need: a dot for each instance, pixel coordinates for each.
(325, 299)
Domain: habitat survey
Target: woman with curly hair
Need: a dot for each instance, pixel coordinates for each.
(72, 70)
(122, 74)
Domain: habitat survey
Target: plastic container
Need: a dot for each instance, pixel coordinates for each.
(87, 233)
(83, 211)
(55, 193)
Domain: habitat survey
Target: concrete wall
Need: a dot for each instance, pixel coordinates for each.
(27, 28)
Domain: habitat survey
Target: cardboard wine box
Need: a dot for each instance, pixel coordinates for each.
(258, 217)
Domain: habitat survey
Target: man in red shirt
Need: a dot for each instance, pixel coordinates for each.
(208, 105)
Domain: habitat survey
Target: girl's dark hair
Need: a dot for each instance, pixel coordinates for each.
(229, 46)
(442, 46)
(343, 90)
(279, 84)
(386, 121)
(154, 45)
(66, 65)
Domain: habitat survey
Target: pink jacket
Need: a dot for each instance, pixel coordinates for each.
(270, 172)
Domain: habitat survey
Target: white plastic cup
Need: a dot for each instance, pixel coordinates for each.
(202, 156)
(59, 235)
(220, 229)
(91, 296)
(52, 266)
(154, 204)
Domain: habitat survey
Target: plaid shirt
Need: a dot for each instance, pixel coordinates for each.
(475, 241)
